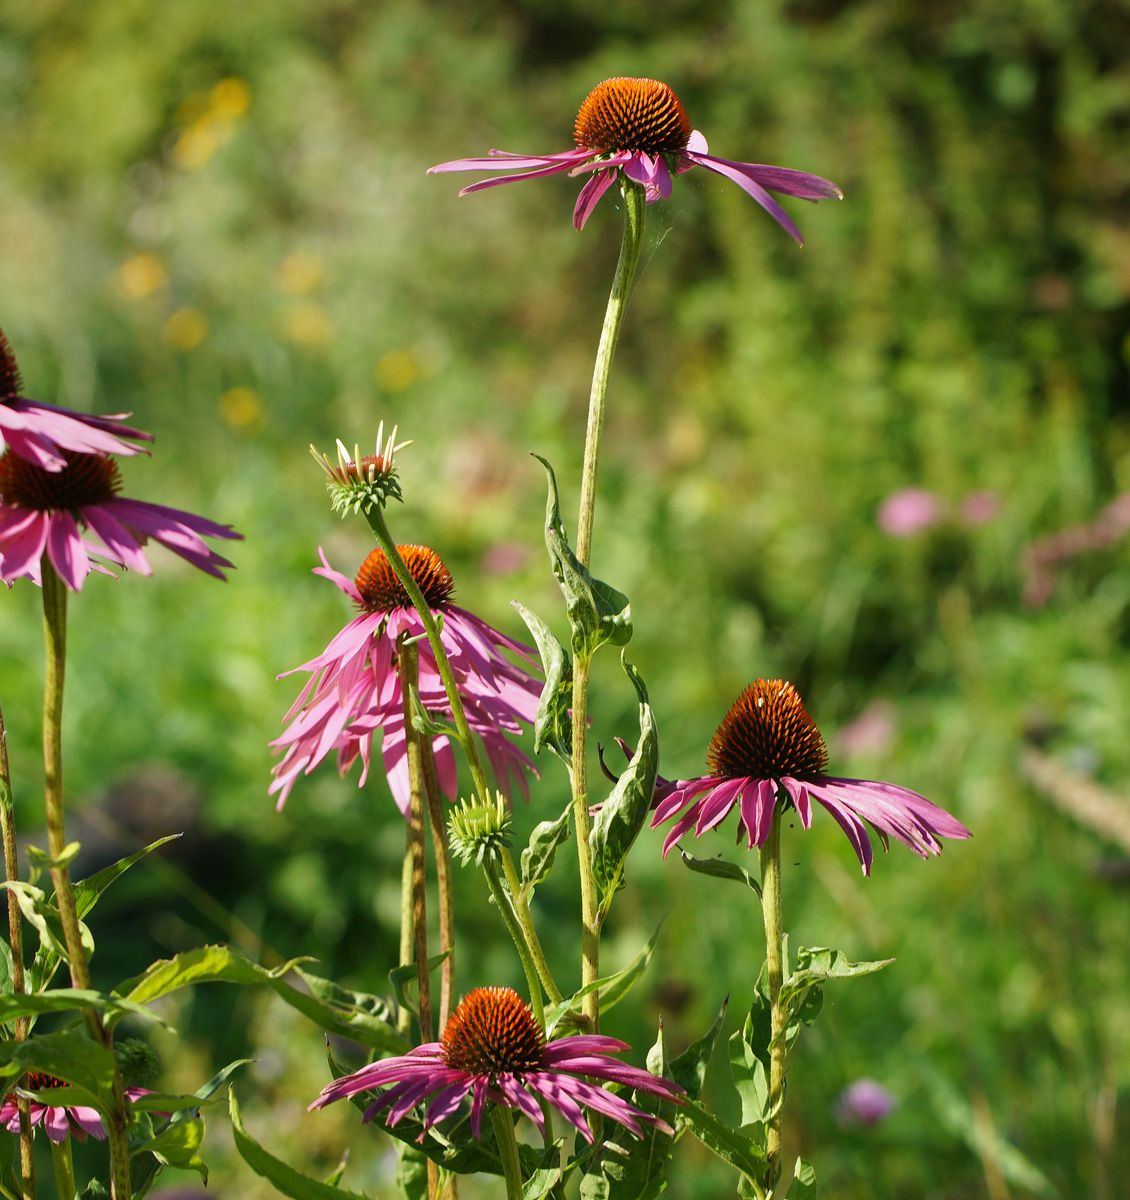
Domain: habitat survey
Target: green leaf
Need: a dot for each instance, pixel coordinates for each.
(88, 891)
(598, 613)
(44, 918)
(285, 1179)
(553, 726)
(624, 813)
(751, 1079)
(426, 722)
(537, 858)
(403, 977)
(720, 869)
(545, 1175)
(144, 1166)
(803, 1186)
(40, 860)
(611, 989)
(731, 1147)
(69, 1055)
(206, 964)
(67, 1000)
(355, 1015)
(819, 963)
(689, 1068)
(411, 1172)
(177, 1146)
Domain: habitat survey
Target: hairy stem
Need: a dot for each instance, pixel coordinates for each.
(376, 520)
(443, 880)
(503, 1124)
(409, 666)
(55, 636)
(64, 1169)
(634, 211)
(16, 941)
(502, 902)
(407, 930)
(774, 967)
(525, 920)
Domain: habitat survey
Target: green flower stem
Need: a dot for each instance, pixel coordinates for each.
(407, 932)
(55, 637)
(533, 943)
(502, 902)
(635, 207)
(443, 880)
(64, 1170)
(774, 965)
(503, 1124)
(634, 213)
(375, 516)
(408, 657)
(16, 942)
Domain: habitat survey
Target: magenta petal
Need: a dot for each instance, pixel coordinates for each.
(66, 549)
(752, 188)
(595, 187)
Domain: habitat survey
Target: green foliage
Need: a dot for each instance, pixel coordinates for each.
(624, 813)
(538, 857)
(611, 989)
(720, 869)
(598, 613)
(285, 1179)
(552, 725)
(803, 1185)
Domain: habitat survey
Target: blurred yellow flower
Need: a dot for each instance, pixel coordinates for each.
(230, 98)
(196, 145)
(242, 409)
(308, 325)
(301, 271)
(142, 275)
(396, 370)
(185, 329)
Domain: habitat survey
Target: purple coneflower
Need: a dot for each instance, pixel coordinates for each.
(58, 1120)
(354, 689)
(864, 1102)
(41, 432)
(639, 127)
(767, 745)
(44, 512)
(493, 1049)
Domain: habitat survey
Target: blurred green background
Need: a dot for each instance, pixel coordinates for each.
(216, 215)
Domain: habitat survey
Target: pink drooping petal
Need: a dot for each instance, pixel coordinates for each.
(117, 539)
(555, 169)
(651, 173)
(515, 162)
(88, 1119)
(799, 795)
(23, 539)
(447, 1101)
(752, 188)
(67, 550)
(56, 1124)
(343, 581)
(517, 1097)
(595, 187)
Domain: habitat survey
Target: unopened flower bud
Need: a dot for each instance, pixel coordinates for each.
(480, 831)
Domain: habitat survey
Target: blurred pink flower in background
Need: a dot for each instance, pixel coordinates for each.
(871, 733)
(909, 511)
(978, 508)
(864, 1102)
(1043, 553)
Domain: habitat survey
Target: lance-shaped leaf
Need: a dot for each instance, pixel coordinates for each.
(537, 858)
(720, 869)
(68, 1000)
(283, 1178)
(87, 893)
(803, 1186)
(553, 727)
(598, 613)
(611, 989)
(411, 1172)
(402, 979)
(624, 813)
(818, 964)
(177, 1146)
(365, 1019)
(43, 916)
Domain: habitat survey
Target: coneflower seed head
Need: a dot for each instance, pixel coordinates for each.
(767, 734)
(492, 1032)
(86, 479)
(381, 591)
(633, 114)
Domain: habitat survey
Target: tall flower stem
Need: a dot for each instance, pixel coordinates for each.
(508, 1148)
(409, 666)
(64, 1169)
(634, 213)
(443, 880)
(55, 637)
(375, 517)
(16, 942)
(525, 920)
(502, 902)
(774, 969)
(407, 925)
